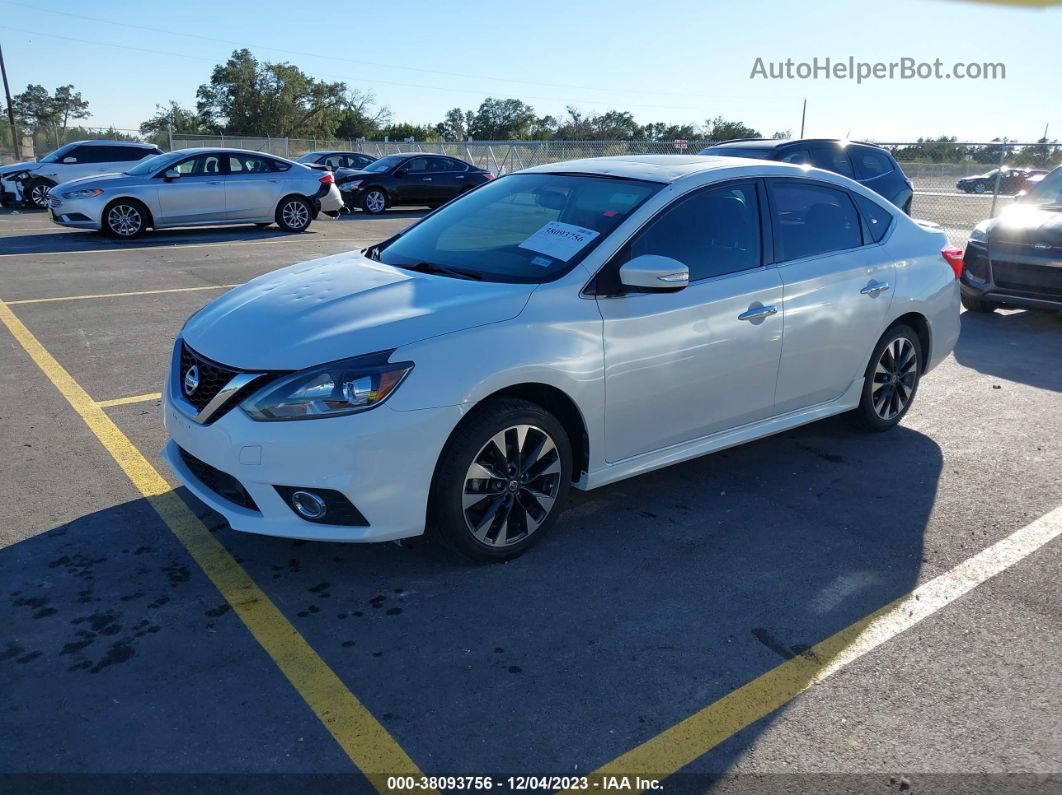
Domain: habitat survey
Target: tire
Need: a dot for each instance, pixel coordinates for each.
(35, 193)
(294, 214)
(374, 201)
(125, 219)
(890, 382)
(980, 187)
(974, 304)
(522, 502)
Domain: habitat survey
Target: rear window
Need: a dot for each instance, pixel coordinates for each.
(526, 228)
(833, 158)
(870, 164)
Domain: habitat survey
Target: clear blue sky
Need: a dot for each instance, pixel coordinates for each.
(664, 60)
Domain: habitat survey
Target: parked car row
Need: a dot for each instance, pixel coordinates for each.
(1009, 180)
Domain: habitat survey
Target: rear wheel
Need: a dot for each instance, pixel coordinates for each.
(294, 214)
(974, 304)
(891, 379)
(125, 219)
(501, 481)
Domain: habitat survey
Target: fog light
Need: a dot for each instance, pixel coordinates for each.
(308, 505)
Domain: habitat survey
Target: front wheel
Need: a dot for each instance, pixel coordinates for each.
(294, 214)
(35, 193)
(125, 219)
(502, 480)
(891, 379)
(980, 187)
(374, 202)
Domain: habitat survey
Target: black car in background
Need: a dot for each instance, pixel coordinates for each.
(869, 165)
(1015, 259)
(334, 161)
(1011, 180)
(415, 178)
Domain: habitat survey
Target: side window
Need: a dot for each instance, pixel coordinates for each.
(798, 156)
(876, 219)
(833, 158)
(811, 219)
(713, 232)
(89, 153)
(335, 161)
(248, 164)
(128, 154)
(359, 161)
(870, 164)
(418, 165)
(200, 166)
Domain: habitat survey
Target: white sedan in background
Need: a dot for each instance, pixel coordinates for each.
(572, 324)
(197, 187)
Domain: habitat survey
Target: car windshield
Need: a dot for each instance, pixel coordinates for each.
(152, 164)
(1048, 191)
(55, 155)
(527, 228)
(385, 163)
(309, 157)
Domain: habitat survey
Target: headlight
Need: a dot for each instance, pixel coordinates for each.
(351, 185)
(84, 193)
(979, 234)
(20, 175)
(331, 390)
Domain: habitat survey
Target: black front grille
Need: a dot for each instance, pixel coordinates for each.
(221, 483)
(1045, 280)
(212, 377)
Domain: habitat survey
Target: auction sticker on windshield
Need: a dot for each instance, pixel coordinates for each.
(559, 240)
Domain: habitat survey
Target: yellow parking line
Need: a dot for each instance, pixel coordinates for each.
(122, 401)
(171, 246)
(120, 295)
(678, 746)
(366, 742)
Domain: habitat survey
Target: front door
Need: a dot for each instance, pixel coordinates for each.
(197, 196)
(414, 186)
(687, 364)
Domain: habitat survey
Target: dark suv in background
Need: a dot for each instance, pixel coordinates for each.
(869, 165)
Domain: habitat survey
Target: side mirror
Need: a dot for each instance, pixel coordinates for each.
(655, 273)
(69, 159)
(171, 174)
(401, 172)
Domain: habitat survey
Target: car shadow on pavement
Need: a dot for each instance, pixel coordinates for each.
(1013, 345)
(652, 598)
(61, 241)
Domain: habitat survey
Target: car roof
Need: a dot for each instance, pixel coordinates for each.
(669, 168)
(202, 150)
(105, 142)
(772, 143)
(335, 152)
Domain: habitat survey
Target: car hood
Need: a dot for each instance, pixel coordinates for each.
(14, 168)
(1027, 224)
(113, 180)
(341, 306)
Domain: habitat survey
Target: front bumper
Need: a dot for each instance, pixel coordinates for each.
(1013, 275)
(381, 460)
(76, 213)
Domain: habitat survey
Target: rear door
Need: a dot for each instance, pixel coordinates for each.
(252, 188)
(832, 157)
(448, 178)
(197, 196)
(875, 170)
(838, 288)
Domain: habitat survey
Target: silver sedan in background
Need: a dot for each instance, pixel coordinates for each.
(198, 187)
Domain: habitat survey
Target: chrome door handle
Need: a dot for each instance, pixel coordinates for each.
(758, 312)
(426, 179)
(458, 177)
(874, 289)
(213, 182)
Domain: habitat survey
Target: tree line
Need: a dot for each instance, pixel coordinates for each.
(249, 97)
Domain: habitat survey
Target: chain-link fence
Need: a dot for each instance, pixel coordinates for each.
(35, 145)
(956, 184)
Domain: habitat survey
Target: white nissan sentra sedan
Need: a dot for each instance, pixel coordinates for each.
(197, 187)
(568, 325)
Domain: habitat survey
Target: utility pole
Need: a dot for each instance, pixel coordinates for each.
(10, 110)
(803, 113)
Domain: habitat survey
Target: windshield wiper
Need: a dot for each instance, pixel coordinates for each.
(431, 267)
